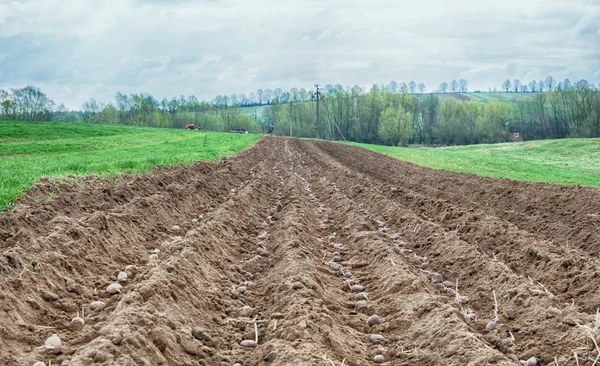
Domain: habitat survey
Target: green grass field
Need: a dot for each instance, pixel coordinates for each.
(567, 161)
(511, 98)
(31, 150)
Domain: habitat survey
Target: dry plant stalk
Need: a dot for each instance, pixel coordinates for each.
(496, 316)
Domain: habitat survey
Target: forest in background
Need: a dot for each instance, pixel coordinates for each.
(392, 114)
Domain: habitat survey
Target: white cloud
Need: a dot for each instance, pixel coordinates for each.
(209, 47)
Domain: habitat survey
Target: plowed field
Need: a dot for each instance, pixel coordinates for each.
(303, 242)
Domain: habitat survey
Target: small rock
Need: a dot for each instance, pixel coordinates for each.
(334, 266)
(194, 221)
(246, 310)
(200, 335)
(464, 299)
(277, 316)
(531, 362)
(189, 347)
(336, 259)
(297, 285)
(237, 364)
(379, 359)
(100, 357)
(175, 228)
(248, 343)
(347, 274)
(507, 342)
(374, 320)
(242, 289)
(424, 266)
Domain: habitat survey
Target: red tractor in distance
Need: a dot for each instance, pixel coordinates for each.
(191, 127)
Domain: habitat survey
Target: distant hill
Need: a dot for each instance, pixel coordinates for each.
(510, 98)
(483, 97)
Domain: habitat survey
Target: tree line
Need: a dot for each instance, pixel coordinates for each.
(380, 116)
(549, 84)
(393, 114)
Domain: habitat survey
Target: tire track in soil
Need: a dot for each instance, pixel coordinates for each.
(292, 221)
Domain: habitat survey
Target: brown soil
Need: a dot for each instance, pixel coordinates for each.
(296, 222)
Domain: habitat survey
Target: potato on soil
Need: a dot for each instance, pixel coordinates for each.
(77, 323)
(491, 326)
(374, 320)
(248, 343)
(53, 344)
(360, 304)
(97, 305)
(376, 338)
(114, 288)
(122, 276)
(357, 288)
(378, 359)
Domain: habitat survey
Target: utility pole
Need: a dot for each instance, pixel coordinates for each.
(291, 105)
(262, 127)
(318, 95)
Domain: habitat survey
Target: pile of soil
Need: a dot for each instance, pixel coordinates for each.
(330, 253)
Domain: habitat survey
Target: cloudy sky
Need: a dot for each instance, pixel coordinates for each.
(77, 49)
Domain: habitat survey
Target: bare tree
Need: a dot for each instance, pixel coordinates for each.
(524, 88)
(277, 94)
(259, 93)
(421, 87)
(506, 85)
(541, 85)
(533, 86)
(393, 86)
(444, 87)
(412, 87)
(403, 87)
(567, 83)
(463, 85)
(517, 85)
(453, 86)
(550, 82)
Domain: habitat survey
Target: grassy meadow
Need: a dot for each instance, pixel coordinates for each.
(566, 161)
(32, 150)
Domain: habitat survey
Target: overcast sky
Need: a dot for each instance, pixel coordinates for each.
(77, 49)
